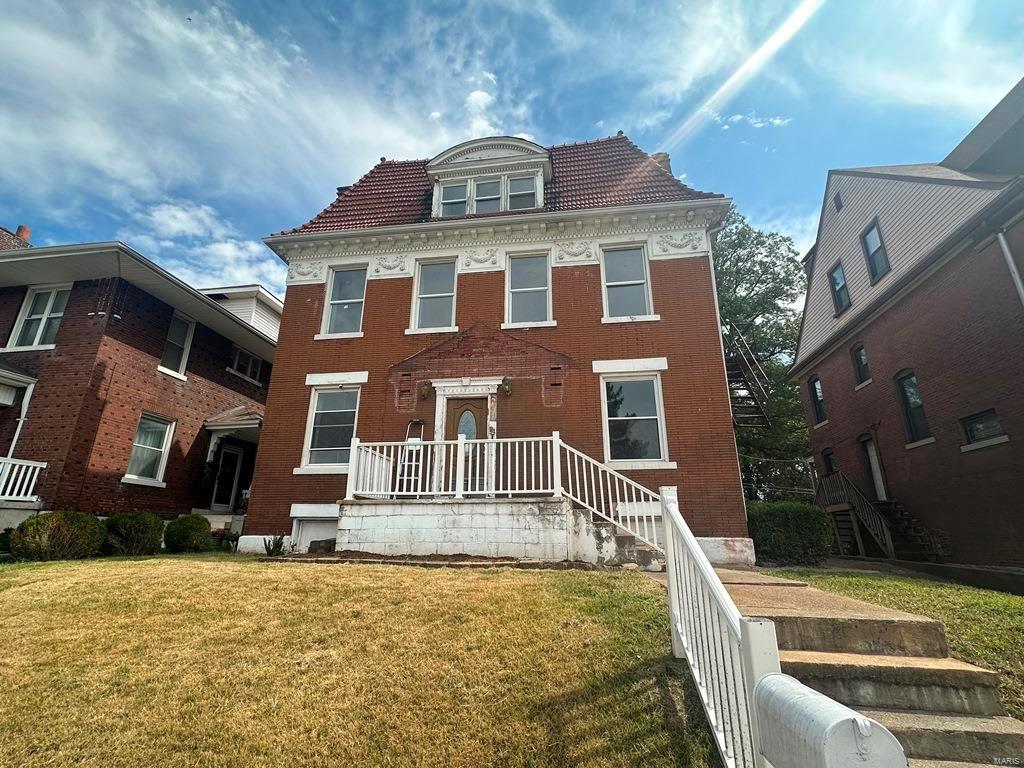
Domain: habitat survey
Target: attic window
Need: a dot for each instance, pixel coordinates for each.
(489, 195)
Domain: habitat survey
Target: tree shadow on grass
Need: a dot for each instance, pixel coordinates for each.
(649, 714)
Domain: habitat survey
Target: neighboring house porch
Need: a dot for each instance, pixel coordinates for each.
(18, 475)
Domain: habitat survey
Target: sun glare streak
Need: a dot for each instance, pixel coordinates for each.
(793, 24)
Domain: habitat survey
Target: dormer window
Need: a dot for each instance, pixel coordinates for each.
(453, 200)
(484, 177)
(522, 193)
(488, 196)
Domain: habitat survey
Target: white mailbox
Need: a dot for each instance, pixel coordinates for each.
(801, 728)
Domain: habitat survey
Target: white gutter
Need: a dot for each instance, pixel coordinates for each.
(1011, 265)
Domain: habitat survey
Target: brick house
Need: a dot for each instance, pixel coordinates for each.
(444, 319)
(910, 351)
(123, 388)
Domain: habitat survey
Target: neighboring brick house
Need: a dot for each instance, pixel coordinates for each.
(123, 388)
(910, 356)
(501, 291)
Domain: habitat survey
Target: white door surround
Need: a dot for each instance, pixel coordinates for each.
(466, 387)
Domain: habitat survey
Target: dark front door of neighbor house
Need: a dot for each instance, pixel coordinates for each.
(226, 488)
(468, 416)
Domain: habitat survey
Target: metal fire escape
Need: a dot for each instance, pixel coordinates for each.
(748, 383)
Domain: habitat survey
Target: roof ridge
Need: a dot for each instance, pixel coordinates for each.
(619, 135)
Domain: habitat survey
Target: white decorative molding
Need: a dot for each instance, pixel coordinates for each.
(575, 251)
(481, 260)
(674, 242)
(306, 272)
(391, 265)
(635, 365)
(339, 379)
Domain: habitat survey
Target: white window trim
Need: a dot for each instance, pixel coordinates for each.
(305, 468)
(663, 462)
(415, 314)
(500, 197)
(329, 286)
(986, 443)
(23, 314)
(465, 201)
(504, 186)
(180, 373)
(165, 450)
(650, 315)
(507, 201)
(336, 379)
(550, 321)
(634, 365)
(232, 369)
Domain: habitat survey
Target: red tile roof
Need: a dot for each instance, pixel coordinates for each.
(10, 241)
(593, 174)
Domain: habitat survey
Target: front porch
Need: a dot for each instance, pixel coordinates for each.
(234, 435)
(18, 477)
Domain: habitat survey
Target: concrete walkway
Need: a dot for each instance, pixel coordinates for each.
(892, 665)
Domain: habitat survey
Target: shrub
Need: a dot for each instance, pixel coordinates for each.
(134, 533)
(789, 532)
(188, 533)
(61, 535)
(274, 547)
(5, 539)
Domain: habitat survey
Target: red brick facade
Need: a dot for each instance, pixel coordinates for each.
(93, 387)
(960, 331)
(553, 385)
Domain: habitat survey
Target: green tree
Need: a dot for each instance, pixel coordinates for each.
(760, 284)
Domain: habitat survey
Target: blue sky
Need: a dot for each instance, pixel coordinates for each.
(192, 130)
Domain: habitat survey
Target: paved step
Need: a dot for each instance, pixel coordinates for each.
(985, 740)
(882, 635)
(900, 682)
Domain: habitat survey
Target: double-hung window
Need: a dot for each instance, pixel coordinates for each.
(453, 199)
(487, 196)
(150, 448)
(874, 252)
(435, 295)
(861, 371)
(840, 291)
(817, 399)
(529, 291)
(522, 193)
(41, 315)
(345, 304)
(247, 365)
(634, 418)
(176, 345)
(912, 407)
(332, 425)
(626, 291)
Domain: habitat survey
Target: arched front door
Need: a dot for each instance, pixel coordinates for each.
(468, 416)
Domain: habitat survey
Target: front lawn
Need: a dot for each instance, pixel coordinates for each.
(982, 626)
(225, 661)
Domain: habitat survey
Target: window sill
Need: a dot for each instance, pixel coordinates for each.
(984, 443)
(862, 385)
(919, 443)
(820, 424)
(631, 319)
(172, 374)
(347, 335)
(147, 481)
(34, 348)
(641, 464)
(450, 329)
(538, 324)
(243, 377)
(322, 469)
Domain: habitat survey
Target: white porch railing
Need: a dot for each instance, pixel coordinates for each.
(18, 479)
(734, 661)
(517, 466)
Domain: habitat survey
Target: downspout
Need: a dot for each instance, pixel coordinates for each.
(1011, 265)
(21, 419)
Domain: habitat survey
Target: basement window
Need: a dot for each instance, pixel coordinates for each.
(40, 317)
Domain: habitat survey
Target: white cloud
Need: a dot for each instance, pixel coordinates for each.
(751, 118)
(480, 122)
(802, 226)
(935, 57)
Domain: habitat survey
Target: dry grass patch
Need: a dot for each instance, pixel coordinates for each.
(220, 661)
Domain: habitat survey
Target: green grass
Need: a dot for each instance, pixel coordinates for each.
(226, 661)
(983, 627)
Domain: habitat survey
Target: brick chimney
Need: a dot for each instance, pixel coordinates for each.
(23, 232)
(662, 159)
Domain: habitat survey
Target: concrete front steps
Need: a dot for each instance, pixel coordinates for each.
(892, 666)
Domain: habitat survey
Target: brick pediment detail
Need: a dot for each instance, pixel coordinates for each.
(482, 350)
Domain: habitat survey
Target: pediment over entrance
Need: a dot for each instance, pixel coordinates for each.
(483, 350)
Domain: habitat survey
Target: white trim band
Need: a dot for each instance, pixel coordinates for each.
(637, 365)
(329, 379)
(308, 511)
